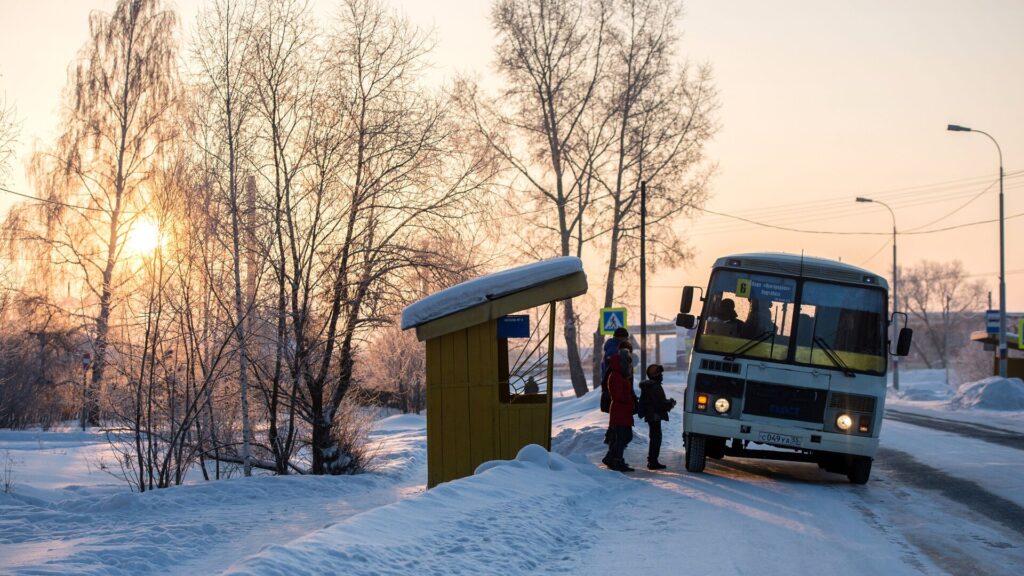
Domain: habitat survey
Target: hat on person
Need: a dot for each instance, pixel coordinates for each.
(654, 370)
(620, 332)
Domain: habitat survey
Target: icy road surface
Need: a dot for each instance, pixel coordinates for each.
(941, 500)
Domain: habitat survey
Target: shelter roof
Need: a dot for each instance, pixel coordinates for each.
(495, 295)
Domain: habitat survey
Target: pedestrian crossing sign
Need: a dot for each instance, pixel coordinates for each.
(612, 318)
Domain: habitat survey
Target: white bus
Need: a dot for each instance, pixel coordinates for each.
(791, 353)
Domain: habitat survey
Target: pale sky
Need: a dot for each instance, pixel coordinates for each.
(821, 101)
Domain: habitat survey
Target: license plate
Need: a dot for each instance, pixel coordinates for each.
(774, 438)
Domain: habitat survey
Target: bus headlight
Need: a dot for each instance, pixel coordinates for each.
(722, 405)
(844, 421)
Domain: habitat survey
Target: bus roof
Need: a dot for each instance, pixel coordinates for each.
(799, 265)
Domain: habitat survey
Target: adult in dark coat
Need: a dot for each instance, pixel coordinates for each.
(655, 408)
(611, 348)
(620, 413)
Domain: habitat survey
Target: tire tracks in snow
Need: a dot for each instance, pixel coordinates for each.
(991, 434)
(903, 468)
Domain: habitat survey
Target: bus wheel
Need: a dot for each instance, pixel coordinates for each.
(859, 470)
(695, 457)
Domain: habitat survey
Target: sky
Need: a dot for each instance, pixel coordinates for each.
(821, 102)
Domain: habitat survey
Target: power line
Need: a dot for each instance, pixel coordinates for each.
(839, 207)
(853, 233)
(55, 202)
(957, 209)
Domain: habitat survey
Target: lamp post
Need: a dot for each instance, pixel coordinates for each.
(895, 291)
(1002, 250)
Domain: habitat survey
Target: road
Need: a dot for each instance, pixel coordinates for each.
(942, 500)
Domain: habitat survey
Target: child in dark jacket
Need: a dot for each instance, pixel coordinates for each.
(655, 408)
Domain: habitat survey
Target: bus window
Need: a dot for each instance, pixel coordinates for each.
(747, 314)
(846, 319)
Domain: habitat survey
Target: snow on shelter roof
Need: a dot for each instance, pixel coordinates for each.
(490, 287)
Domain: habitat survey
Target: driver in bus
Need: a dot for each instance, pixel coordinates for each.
(726, 321)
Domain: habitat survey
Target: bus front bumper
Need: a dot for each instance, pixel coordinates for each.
(780, 436)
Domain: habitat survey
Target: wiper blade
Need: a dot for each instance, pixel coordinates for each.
(834, 357)
(748, 345)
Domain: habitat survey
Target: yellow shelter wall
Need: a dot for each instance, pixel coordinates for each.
(466, 423)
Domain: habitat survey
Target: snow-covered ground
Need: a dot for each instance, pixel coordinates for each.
(939, 501)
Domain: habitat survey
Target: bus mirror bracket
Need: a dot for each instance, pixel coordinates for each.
(688, 321)
(687, 301)
(905, 337)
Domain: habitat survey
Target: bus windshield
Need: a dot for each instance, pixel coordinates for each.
(835, 326)
(846, 319)
(748, 314)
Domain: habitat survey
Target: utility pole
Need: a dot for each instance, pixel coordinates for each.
(643, 279)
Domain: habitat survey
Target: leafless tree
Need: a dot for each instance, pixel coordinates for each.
(286, 72)
(940, 298)
(120, 105)
(384, 154)
(9, 129)
(221, 54)
(657, 117)
(551, 56)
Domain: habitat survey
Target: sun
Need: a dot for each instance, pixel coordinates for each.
(144, 237)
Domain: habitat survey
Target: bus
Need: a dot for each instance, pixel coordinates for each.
(789, 362)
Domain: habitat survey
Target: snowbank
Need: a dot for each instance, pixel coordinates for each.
(515, 516)
(924, 385)
(479, 290)
(992, 393)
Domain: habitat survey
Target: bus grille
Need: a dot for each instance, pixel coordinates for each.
(787, 402)
(852, 403)
(720, 366)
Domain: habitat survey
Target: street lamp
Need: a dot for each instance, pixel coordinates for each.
(895, 292)
(1002, 250)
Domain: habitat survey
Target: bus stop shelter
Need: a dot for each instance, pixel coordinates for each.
(489, 370)
(1014, 364)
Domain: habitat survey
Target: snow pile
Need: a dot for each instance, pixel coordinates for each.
(924, 385)
(516, 516)
(479, 290)
(992, 393)
(68, 516)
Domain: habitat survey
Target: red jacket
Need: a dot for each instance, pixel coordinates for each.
(621, 391)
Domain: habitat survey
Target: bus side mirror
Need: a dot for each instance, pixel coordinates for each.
(905, 337)
(687, 301)
(903, 343)
(688, 321)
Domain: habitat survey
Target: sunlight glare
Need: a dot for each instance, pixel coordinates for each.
(144, 237)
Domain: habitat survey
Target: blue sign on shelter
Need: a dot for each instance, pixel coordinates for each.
(514, 326)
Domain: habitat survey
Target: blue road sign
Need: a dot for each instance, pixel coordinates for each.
(612, 318)
(992, 321)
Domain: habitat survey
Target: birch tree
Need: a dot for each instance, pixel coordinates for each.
(9, 129)
(221, 52)
(121, 103)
